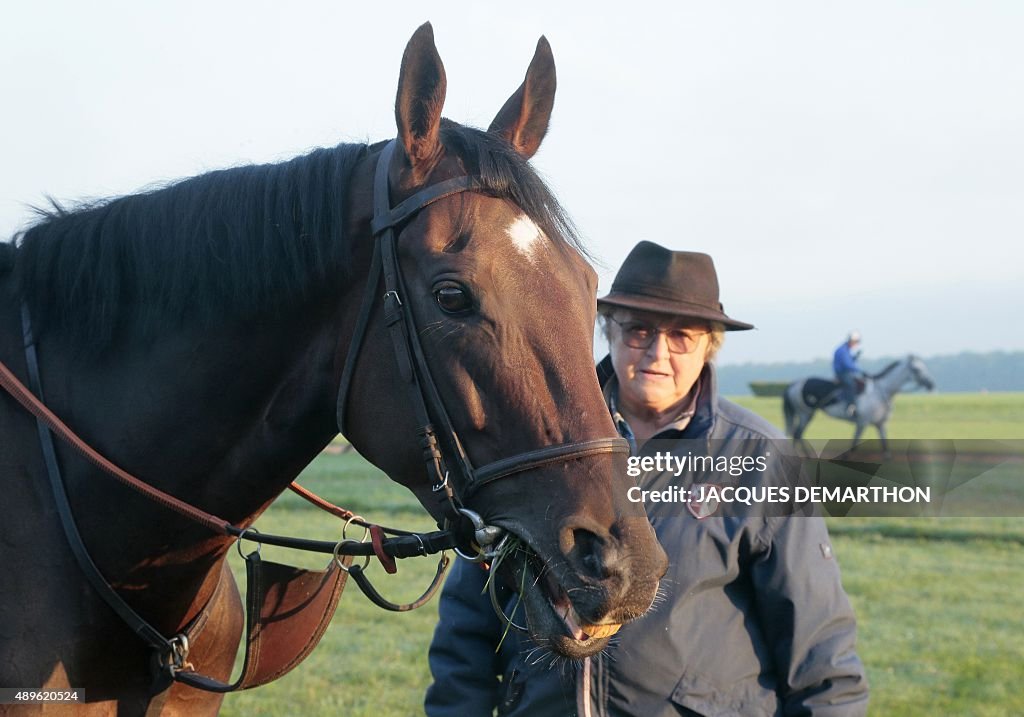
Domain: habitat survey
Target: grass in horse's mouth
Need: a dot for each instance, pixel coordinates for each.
(507, 548)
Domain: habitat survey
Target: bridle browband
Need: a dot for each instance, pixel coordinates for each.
(443, 452)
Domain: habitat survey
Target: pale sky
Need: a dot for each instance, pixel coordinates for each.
(855, 165)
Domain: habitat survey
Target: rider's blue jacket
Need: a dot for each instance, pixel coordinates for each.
(844, 361)
(752, 618)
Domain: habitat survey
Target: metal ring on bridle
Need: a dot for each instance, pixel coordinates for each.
(241, 537)
(474, 518)
(478, 526)
(344, 529)
(491, 554)
(478, 558)
(338, 558)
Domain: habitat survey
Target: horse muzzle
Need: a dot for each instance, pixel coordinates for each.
(576, 599)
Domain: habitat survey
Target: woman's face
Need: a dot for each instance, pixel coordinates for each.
(656, 378)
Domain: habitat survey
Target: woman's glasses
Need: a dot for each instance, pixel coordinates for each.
(638, 335)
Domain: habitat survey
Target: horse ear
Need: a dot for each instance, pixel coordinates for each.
(421, 91)
(523, 120)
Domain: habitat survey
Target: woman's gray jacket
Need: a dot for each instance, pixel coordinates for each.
(751, 618)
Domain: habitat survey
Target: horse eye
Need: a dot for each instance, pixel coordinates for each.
(453, 299)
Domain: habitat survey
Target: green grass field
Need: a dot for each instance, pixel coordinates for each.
(920, 415)
(937, 599)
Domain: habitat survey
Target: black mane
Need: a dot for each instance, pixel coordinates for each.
(235, 242)
(886, 370)
(6, 257)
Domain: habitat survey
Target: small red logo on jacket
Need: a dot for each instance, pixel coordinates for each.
(703, 500)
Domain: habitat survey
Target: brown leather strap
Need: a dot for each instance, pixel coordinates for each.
(380, 601)
(377, 539)
(288, 610)
(323, 504)
(33, 405)
(544, 456)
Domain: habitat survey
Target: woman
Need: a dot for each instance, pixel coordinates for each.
(752, 618)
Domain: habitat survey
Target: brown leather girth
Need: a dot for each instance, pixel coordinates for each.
(287, 610)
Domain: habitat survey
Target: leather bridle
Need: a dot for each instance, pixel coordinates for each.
(443, 453)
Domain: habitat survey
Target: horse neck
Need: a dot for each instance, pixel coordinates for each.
(891, 383)
(239, 389)
(223, 419)
(218, 410)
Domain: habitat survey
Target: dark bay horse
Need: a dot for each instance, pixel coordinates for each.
(196, 335)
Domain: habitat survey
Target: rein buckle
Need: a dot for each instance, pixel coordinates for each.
(176, 658)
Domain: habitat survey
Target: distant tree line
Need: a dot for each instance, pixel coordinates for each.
(964, 372)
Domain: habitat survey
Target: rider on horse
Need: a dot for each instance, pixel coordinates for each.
(844, 363)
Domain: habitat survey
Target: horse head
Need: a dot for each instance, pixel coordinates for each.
(919, 372)
(502, 301)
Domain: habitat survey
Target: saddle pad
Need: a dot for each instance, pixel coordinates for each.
(819, 392)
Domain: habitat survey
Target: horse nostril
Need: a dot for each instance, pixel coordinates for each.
(590, 553)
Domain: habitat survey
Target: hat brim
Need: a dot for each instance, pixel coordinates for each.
(673, 308)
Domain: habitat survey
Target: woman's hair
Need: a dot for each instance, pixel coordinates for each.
(715, 339)
(603, 322)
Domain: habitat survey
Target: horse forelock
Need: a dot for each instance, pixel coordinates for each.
(505, 173)
(238, 241)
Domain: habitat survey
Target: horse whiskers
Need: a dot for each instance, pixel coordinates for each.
(432, 326)
(563, 666)
(451, 332)
(661, 596)
(436, 326)
(430, 329)
(544, 647)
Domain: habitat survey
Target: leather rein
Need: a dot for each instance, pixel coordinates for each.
(443, 455)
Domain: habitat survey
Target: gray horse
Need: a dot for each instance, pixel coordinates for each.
(874, 404)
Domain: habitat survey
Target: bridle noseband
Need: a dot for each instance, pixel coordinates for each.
(443, 453)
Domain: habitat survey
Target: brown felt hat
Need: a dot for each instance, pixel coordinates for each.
(679, 283)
